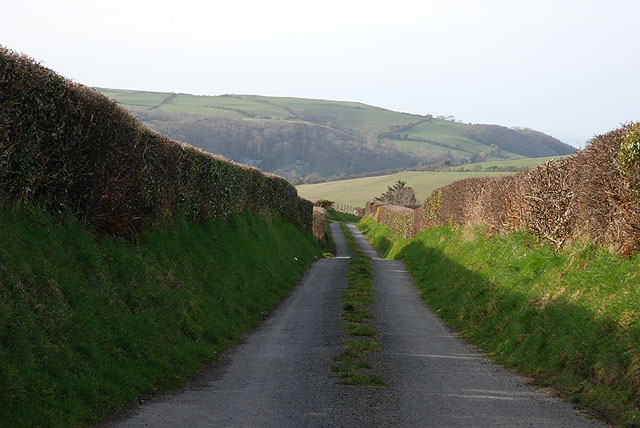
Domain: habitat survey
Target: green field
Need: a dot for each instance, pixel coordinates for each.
(354, 117)
(357, 117)
(225, 106)
(358, 191)
(522, 163)
(452, 134)
(135, 100)
(448, 132)
(415, 146)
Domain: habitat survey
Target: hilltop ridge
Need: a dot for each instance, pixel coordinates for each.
(312, 140)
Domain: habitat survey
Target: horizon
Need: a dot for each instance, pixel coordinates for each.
(534, 64)
(319, 99)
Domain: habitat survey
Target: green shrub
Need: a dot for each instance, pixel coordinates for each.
(324, 203)
(432, 205)
(630, 151)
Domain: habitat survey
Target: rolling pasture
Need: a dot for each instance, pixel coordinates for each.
(357, 191)
(356, 118)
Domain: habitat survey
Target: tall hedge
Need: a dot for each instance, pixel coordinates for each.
(70, 148)
(594, 194)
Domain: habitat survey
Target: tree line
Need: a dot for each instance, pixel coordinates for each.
(300, 151)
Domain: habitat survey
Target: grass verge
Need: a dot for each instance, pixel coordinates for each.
(353, 367)
(570, 319)
(88, 325)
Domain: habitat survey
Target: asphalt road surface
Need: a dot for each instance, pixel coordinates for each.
(279, 375)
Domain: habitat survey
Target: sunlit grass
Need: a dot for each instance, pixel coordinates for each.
(570, 319)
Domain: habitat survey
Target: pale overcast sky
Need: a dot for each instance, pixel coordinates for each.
(568, 68)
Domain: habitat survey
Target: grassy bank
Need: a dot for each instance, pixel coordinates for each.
(88, 324)
(569, 319)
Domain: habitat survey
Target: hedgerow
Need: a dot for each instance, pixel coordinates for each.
(400, 219)
(72, 149)
(594, 194)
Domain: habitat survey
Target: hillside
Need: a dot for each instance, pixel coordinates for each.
(525, 142)
(307, 140)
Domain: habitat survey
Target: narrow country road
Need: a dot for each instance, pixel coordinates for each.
(279, 375)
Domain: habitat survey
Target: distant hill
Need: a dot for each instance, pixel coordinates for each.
(525, 142)
(307, 140)
(294, 149)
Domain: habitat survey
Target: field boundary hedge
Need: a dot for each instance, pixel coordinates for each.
(594, 195)
(70, 148)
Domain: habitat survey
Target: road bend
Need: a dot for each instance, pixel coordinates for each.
(280, 374)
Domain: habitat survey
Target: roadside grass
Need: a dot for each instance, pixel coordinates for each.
(569, 319)
(89, 324)
(327, 246)
(364, 345)
(354, 367)
(354, 315)
(382, 238)
(351, 366)
(348, 355)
